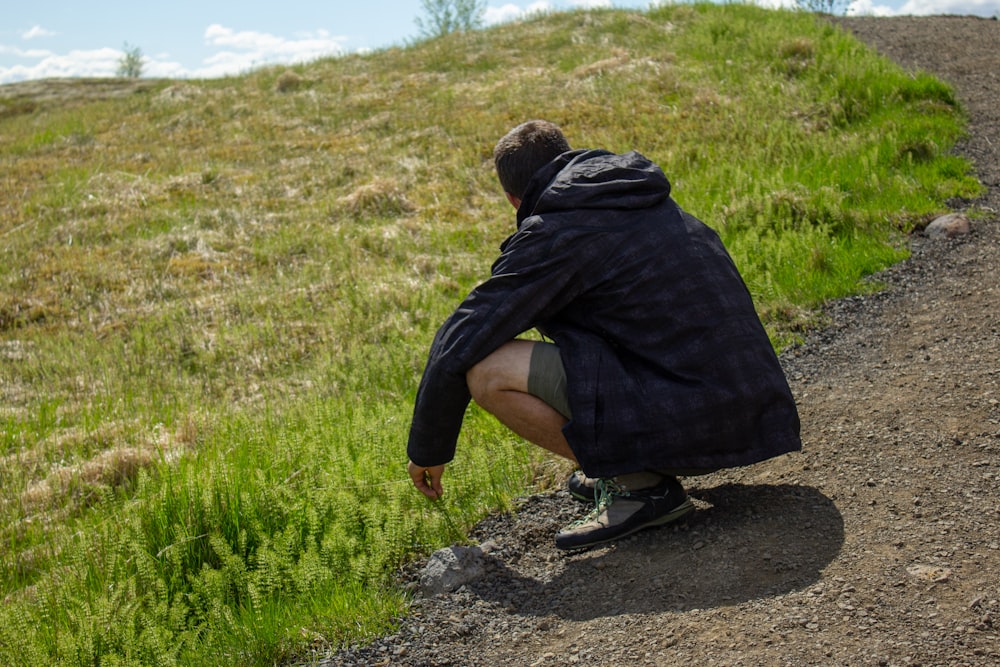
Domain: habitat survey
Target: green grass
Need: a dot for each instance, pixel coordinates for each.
(216, 298)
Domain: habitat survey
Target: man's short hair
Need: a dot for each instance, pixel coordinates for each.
(524, 150)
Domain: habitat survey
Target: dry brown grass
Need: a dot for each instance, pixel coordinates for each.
(380, 198)
(288, 82)
(83, 484)
(72, 469)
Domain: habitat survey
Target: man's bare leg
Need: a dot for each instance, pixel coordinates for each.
(499, 384)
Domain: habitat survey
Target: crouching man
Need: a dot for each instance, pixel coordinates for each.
(658, 365)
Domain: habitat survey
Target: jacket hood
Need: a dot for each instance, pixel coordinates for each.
(594, 179)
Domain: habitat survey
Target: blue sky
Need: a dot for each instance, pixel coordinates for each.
(188, 38)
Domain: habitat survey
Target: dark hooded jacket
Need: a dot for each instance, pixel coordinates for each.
(667, 363)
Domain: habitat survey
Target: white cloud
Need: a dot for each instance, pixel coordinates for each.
(512, 12)
(868, 8)
(959, 7)
(23, 53)
(218, 35)
(244, 50)
(36, 31)
(162, 67)
(93, 63)
(247, 49)
(234, 52)
(776, 4)
(925, 8)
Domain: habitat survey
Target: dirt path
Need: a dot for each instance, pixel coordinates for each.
(878, 545)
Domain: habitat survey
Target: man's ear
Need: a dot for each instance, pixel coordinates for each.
(514, 201)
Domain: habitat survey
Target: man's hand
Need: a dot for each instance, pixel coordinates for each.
(427, 480)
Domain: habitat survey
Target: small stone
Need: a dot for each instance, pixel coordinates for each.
(451, 568)
(948, 226)
(935, 574)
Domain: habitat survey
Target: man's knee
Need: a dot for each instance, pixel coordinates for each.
(505, 369)
(486, 380)
(478, 379)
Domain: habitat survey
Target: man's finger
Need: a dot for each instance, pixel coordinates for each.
(427, 480)
(434, 482)
(426, 486)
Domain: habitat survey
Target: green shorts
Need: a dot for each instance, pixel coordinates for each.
(547, 377)
(547, 381)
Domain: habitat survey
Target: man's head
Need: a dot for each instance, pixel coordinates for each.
(523, 151)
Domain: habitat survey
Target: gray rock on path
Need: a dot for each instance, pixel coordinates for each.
(451, 568)
(948, 226)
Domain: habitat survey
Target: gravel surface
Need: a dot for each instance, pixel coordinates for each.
(877, 545)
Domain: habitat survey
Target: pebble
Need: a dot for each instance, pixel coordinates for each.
(948, 226)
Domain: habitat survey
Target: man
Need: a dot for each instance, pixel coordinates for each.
(659, 365)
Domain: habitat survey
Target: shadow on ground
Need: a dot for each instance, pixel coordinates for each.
(743, 543)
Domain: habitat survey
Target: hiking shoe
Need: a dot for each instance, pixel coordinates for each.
(619, 512)
(581, 487)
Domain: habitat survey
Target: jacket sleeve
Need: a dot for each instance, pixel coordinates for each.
(530, 281)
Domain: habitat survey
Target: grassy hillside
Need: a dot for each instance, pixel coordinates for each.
(216, 298)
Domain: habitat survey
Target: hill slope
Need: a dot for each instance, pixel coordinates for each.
(878, 545)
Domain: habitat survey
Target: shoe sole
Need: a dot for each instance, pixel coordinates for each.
(678, 513)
